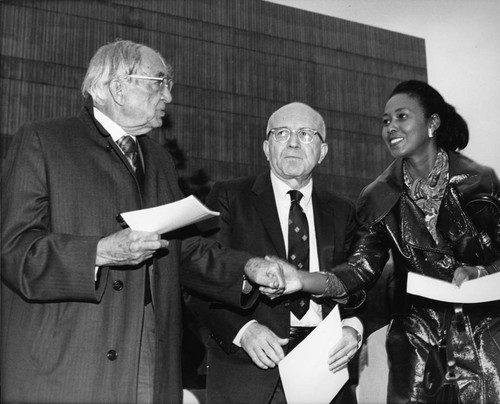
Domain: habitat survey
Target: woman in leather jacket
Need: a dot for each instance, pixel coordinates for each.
(420, 209)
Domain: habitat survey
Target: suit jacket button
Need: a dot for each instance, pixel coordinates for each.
(112, 355)
(117, 285)
(287, 303)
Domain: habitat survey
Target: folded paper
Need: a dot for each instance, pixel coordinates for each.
(304, 371)
(480, 290)
(168, 217)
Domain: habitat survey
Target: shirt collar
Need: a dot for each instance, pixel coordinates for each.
(281, 190)
(111, 126)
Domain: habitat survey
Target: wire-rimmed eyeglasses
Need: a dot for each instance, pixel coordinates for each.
(165, 82)
(305, 135)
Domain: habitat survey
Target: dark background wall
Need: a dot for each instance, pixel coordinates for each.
(236, 61)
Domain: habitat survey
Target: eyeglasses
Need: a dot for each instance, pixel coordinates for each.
(165, 82)
(306, 135)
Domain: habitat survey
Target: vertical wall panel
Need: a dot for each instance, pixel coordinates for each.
(235, 62)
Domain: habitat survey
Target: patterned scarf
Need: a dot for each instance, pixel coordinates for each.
(428, 192)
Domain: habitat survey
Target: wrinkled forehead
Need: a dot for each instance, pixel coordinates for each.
(152, 62)
(296, 115)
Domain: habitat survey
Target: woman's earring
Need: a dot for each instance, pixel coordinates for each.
(430, 133)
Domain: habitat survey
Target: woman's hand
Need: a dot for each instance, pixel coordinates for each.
(466, 273)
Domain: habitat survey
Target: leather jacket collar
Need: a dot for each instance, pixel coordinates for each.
(378, 198)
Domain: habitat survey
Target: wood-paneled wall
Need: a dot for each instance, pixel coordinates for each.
(235, 61)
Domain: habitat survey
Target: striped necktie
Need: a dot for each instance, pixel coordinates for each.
(129, 148)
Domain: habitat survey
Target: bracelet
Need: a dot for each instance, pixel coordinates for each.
(327, 283)
(479, 269)
(333, 287)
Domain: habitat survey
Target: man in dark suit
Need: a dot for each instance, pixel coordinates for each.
(78, 322)
(246, 345)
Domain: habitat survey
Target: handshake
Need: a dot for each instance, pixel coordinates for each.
(274, 276)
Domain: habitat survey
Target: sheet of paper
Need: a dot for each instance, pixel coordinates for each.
(304, 371)
(484, 289)
(165, 218)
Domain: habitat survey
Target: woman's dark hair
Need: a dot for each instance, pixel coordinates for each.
(453, 133)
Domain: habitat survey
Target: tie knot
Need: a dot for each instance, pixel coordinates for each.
(127, 144)
(295, 196)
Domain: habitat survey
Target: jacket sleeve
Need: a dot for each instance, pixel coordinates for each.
(38, 263)
(367, 258)
(473, 215)
(223, 321)
(488, 216)
(215, 271)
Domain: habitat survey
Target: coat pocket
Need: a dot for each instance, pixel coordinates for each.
(47, 347)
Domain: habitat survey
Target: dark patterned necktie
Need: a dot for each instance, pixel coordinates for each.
(131, 152)
(129, 148)
(298, 249)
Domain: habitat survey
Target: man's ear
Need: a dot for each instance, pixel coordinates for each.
(265, 147)
(117, 91)
(323, 152)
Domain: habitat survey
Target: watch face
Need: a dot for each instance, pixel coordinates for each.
(247, 287)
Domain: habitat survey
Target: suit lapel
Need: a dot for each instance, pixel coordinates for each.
(264, 204)
(325, 223)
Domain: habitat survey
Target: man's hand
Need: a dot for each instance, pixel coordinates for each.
(293, 279)
(266, 273)
(128, 247)
(343, 351)
(466, 273)
(263, 346)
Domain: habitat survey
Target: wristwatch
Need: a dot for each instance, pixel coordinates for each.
(247, 287)
(360, 339)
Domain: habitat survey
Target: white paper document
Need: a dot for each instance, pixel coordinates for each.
(304, 371)
(484, 289)
(168, 217)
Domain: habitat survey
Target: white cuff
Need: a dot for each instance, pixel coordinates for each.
(237, 339)
(355, 323)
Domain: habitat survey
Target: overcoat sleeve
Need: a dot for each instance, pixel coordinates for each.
(38, 263)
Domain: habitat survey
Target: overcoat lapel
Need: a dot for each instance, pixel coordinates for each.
(157, 190)
(87, 116)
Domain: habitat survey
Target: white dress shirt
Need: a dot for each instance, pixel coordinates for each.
(111, 126)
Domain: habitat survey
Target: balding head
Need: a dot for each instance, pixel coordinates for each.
(297, 114)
